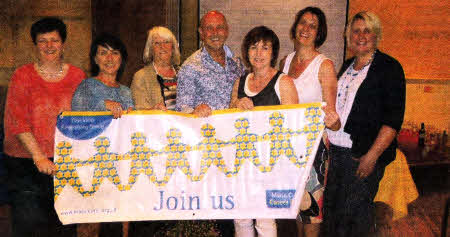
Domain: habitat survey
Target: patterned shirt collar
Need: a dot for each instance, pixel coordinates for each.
(208, 60)
(204, 81)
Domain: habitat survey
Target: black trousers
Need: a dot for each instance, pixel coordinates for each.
(31, 199)
(348, 200)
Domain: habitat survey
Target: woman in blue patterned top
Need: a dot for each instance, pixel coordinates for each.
(103, 92)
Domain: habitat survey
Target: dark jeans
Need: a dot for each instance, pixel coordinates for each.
(348, 200)
(32, 203)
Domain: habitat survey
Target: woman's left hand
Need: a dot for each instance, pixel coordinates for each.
(366, 166)
(245, 104)
(114, 107)
(160, 106)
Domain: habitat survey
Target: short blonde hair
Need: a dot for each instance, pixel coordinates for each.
(166, 34)
(372, 22)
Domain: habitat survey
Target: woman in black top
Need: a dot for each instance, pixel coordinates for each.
(264, 85)
(371, 105)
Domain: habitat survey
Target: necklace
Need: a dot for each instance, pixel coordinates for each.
(306, 59)
(51, 75)
(350, 76)
(157, 71)
(365, 65)
(260, 83)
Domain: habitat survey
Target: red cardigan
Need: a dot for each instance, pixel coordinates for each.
(32, 105)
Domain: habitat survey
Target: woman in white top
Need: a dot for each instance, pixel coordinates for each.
(315, 80)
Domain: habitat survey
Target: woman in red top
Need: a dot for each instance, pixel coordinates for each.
(37, 93)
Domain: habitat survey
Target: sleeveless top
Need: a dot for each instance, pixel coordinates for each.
(168, 90)
(267, 96)
(307, 84)
(168, 87)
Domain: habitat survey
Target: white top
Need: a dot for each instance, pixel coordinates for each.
(348, 85)
(307, 84)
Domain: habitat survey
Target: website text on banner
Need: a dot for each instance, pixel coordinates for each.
(151, 165)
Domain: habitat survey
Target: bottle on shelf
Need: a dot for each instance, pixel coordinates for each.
(444, 140)
(422, 135)
(438, 141)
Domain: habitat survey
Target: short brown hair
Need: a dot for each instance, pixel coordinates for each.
(266, 35)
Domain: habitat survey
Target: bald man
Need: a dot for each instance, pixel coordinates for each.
(206, 78)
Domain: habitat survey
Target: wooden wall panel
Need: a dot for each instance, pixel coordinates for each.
(64, 8)
(16, 46)
(6, 41)
(25, 51)
(130, 21)
(417, 33)
(428, 103)
(78, 43)
(76, 15)
(188, 27)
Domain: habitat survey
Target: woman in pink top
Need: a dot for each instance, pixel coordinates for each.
(315, 80)
(37, 93)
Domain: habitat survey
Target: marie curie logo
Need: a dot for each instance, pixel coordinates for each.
(279, 198)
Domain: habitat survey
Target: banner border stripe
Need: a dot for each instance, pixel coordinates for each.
(216, 112)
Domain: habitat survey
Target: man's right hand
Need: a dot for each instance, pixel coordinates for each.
(202, 110)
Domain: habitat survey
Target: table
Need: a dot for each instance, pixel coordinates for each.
(424, 156)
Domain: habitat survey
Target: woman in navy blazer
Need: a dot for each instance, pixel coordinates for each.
(371, 105)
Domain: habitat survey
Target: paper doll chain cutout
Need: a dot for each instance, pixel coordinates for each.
(175, 152)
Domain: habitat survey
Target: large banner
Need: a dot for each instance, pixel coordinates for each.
(151, 165)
